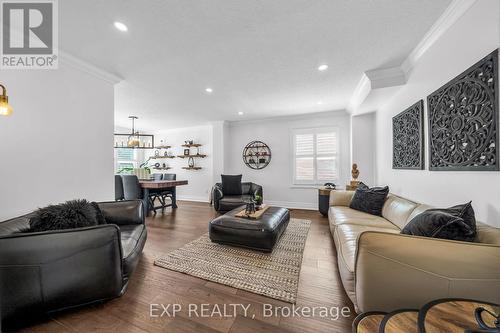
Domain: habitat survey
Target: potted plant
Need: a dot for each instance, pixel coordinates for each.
(258, 201)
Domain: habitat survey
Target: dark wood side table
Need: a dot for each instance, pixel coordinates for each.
(446, 315)
(324, 199)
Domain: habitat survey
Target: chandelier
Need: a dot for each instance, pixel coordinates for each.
(133, 138)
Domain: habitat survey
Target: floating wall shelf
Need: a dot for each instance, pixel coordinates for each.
(192, 145)
(166, 168)
(191, 168)
(187, 156)
(159, 157)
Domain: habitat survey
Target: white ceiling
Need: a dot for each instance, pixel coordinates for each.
(259, 56)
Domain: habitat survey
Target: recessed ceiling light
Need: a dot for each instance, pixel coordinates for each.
(323, 67)
(240, 113)
(319, 102)
(209, 90)
(120, 26)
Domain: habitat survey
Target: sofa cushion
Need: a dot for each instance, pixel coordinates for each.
(369, 200)
(341, 198)
(344, 215)
(397, 210)
(487, 234)
(231, 184)
(418, 210)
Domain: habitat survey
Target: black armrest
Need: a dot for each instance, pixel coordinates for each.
(217, 194)
(123, 212)
(53, 270)
(257, 190)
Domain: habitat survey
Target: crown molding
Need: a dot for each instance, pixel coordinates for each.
(452, 13)
(84, 66)
(375, 79)
(386, 77)
(360, 93)
(396, 76)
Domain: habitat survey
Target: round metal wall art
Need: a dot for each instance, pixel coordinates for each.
(256, 155)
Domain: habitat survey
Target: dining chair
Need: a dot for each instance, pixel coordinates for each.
(118, 188)
(166, 193)
(132, 190)
(156, 193)
(131, 187)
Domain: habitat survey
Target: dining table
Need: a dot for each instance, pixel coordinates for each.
(148, 185)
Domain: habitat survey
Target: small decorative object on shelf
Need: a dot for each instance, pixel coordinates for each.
(188, 144)
(157, 153)
(256, 155)
(354, 182)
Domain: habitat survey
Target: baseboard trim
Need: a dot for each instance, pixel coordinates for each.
(192, 198)
(285, 204)
(292, 205)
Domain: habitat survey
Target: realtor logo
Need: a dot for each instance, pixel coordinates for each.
(29, 34)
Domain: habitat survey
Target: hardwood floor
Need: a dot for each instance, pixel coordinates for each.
(320, 286)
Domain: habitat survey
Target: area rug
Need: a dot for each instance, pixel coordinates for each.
(274, 274)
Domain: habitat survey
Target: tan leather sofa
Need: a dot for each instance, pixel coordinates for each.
(382, 270)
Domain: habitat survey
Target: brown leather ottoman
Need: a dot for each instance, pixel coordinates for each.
(260, 234)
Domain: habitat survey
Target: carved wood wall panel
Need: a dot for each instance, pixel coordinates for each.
(408, 138)
(463, 120)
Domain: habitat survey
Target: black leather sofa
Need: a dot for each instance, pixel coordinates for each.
(50, 271)
(225, 203)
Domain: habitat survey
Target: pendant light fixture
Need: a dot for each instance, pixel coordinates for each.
(133, 139)
(5, 108)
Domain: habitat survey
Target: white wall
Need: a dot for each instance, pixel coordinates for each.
(363, 146)
(471, 38)
(57, 145)
(200, 181)
(276, 178)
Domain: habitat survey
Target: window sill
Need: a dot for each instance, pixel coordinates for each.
(296, 186)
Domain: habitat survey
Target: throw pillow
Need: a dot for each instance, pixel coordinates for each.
(369, 200)
(69, 215)
(231, 184)
(455, 223)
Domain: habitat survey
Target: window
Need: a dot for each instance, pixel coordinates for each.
(125, 158)
(315, 156)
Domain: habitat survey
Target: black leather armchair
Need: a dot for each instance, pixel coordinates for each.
(54, 270)
(225, 203)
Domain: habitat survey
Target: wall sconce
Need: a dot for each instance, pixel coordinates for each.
(5, 108)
